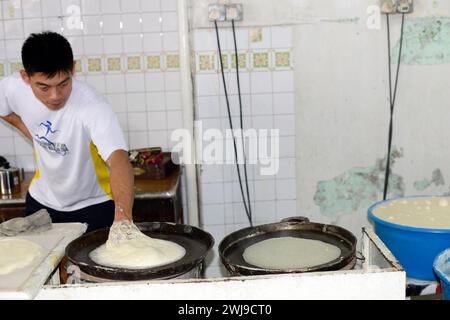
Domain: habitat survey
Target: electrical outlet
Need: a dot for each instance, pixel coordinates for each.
(405, 6)
(223, 12)
(234, 12)
(388, 6)
(217, 12)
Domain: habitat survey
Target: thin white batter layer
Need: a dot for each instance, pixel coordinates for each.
(140, 253)
(426, 212)
(16, 254)
(290, 253)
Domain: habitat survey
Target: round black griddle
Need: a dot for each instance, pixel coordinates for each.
(196, 242)
(233, 246)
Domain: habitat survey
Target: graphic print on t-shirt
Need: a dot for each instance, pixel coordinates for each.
(45, 138)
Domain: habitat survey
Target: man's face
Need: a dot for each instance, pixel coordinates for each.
(52, 92)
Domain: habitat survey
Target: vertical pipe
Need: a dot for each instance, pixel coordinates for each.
(188, 109)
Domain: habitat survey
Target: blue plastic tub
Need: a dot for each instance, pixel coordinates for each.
(441, 267)
(415, 248)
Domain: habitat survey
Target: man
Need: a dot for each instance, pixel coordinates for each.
(83, 171)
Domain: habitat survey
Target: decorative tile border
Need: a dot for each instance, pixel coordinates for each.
(205, 62)
(172, 61)
(242, 60)
(261, 60)
(134, 63)
(94, 65)
(283, 60)
(154, 62)
(251, 60)
(111, 64)
(114, 64)
(15, 67)
(225, 63)
(78, 65)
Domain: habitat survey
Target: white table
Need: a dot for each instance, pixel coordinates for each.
(27, 282)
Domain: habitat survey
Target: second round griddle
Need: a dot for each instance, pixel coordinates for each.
(232, 247)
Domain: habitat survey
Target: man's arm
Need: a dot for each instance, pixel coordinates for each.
(17, 122)
(122, 184)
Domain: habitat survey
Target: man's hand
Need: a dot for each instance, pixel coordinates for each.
(123, 230)
(122, 187)
(122, 184)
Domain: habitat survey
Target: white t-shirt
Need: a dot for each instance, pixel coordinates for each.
(71, 144)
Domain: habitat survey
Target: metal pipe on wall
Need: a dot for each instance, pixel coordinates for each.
(188, 110)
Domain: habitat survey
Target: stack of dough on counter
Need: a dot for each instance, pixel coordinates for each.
(141, 252)
(424, 212)
(290, 253)
(16, 254)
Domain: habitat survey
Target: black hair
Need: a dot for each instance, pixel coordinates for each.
(47, 52)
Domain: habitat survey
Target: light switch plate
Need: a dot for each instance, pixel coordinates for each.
(405, 6)
(388, 6)
(217, 12)
(234, 12)
(225, 12)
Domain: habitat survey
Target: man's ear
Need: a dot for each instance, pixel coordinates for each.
(25, 76)
(74, 67)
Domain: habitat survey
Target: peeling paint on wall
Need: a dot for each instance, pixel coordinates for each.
(426, 41)
(357, 188)
(436, 178)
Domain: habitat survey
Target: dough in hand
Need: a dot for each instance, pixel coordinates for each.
(290, 253)
(141, 252)
(16, 254)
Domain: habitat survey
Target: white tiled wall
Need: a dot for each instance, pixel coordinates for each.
(140, 38)
(146, 98)
(268, 102)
